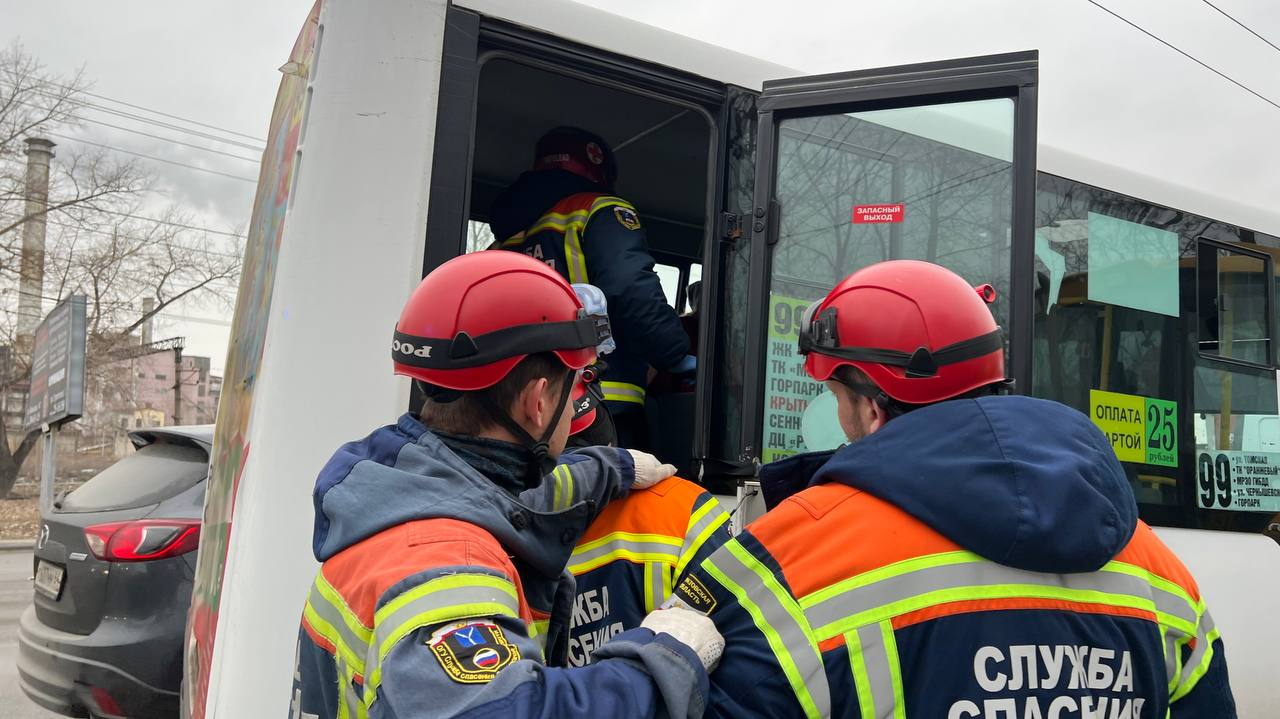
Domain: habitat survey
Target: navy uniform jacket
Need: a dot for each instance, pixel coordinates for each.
(588, 236)
(970, 560)
(441, 594)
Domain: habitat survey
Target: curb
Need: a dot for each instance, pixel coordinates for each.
(12, 545)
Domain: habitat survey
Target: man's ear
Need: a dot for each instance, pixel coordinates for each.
(532, 407)
(878, 416)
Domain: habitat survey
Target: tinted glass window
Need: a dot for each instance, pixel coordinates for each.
(1157, 323)
(926, 183)
(149, 475)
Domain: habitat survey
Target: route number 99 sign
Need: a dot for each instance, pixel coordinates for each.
(1238, 481)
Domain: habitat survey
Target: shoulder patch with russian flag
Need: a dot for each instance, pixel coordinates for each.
(472, 652)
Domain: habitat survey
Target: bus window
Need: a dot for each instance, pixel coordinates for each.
(1157, 324)
(1233, 304)
(479, 236)
(931, 183)
(670, 278)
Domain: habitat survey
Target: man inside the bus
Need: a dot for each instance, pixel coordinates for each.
(966, 555)
(563, 212)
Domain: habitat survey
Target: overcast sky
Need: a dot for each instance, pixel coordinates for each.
(1102, 82)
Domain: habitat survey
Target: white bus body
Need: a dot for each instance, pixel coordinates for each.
(337, 244)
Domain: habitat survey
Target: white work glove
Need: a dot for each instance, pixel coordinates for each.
(649, 469)
(690, 628)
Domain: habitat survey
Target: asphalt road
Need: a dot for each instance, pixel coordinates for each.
(15, 596)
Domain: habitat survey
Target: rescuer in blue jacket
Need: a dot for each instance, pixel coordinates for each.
(966, 556)
(443, 538)
(563, 212)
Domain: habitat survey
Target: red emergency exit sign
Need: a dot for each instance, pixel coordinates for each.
(865, 214)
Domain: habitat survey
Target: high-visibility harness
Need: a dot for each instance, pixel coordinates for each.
(860, 612)
(569, 218)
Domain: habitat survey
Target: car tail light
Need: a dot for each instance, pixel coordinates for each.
(143, 540)
(106, 704)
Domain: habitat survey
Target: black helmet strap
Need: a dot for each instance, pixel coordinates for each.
(540, 448)
(464, 350)
(821, 337)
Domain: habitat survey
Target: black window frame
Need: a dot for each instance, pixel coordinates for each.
(470, 40)
(1269, 271)
(1011, 75)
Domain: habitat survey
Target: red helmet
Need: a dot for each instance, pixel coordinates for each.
(918, 330)
(575, 150)
(476, 316)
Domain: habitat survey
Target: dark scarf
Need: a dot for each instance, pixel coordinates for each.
(507, 465)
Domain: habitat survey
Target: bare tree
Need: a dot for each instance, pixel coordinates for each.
(100, 242)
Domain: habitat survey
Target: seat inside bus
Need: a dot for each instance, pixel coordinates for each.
(662, 150)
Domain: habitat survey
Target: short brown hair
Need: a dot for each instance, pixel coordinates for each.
(467, 415)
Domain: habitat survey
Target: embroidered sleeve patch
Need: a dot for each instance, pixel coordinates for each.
(627, 217)
(472, 652)
(694, 595)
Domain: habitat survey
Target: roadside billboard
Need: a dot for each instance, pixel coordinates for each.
(57, 366)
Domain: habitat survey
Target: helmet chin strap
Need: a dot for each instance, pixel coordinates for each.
(540, 448)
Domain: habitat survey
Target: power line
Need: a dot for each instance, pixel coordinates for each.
(155, 112)
(169, 126)
(152, 157)
(198, 320)
(159, 137)
(146, 120)
(1246, 27)
(174, 117)
(175, 142)
(1184, 53)
(159, 221)
(104, 233)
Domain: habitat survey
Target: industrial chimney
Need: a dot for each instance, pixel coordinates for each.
(148, 305)
(31, 284)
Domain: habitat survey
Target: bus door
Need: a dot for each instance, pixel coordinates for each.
(932, 162)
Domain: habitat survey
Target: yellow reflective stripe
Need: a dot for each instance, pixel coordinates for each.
(1173, 644)
(1167, 605)
(638, 548)
(894, 664)
(861, 683)
(905, 566)
(702, 523)
(443, 599)
(573, 256)
(657, 583)
(562, 496)
(327, 630)
(350, 701)
(779, 619)
(558, 222)
(514, 241)
(448, 582)
(1201, 657)
(958, 576)
(1008, 591)
(338, 602)
(873, 657)
(623, 392)
(609, 201)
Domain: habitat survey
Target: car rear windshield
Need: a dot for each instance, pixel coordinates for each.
(150, 475)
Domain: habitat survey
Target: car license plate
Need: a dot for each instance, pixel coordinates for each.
(49, 579)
